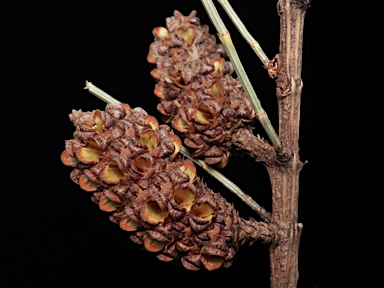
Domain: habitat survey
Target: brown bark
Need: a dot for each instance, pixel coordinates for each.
(285, 175)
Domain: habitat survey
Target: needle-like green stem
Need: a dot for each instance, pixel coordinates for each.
(244, 32)
(226, 40)
(100, 93)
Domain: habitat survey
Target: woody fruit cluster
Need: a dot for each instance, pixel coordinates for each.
(198, 95)
(132, 167)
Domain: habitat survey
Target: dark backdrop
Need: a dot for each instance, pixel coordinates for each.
(52, 234)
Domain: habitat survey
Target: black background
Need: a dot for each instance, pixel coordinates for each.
(52, 235)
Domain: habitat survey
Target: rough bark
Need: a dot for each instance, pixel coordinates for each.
(285, 176)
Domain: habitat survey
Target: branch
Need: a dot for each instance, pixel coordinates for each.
(213, 172)
(255, 146)
(226, 40)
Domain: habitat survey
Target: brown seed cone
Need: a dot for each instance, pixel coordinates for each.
(198, 95)
(131, 166)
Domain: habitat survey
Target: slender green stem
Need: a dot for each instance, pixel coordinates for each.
(213, 172)
(100, 93)
(226, 40)
(244, 32)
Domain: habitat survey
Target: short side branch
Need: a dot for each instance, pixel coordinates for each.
(255, 146)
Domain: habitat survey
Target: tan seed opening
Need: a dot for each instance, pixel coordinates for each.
(177, 143)
(203, 211)
(88, 155)
(180, 125)
(67, 159)
(112, 174)
(217, 90)
(184, 198)
(105, 204)
(97, 117)
(212, 262)
(161, 32)
(142, 164)
(153, 245)
(152, 213)
(188, 168)
(149, 139)
(219, 65)
(152, 121)
(87, 184)
(128, 224)
(203, 115)
(188, 35)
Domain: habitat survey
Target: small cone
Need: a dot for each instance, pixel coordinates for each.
(150, 190)
(198, 95)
